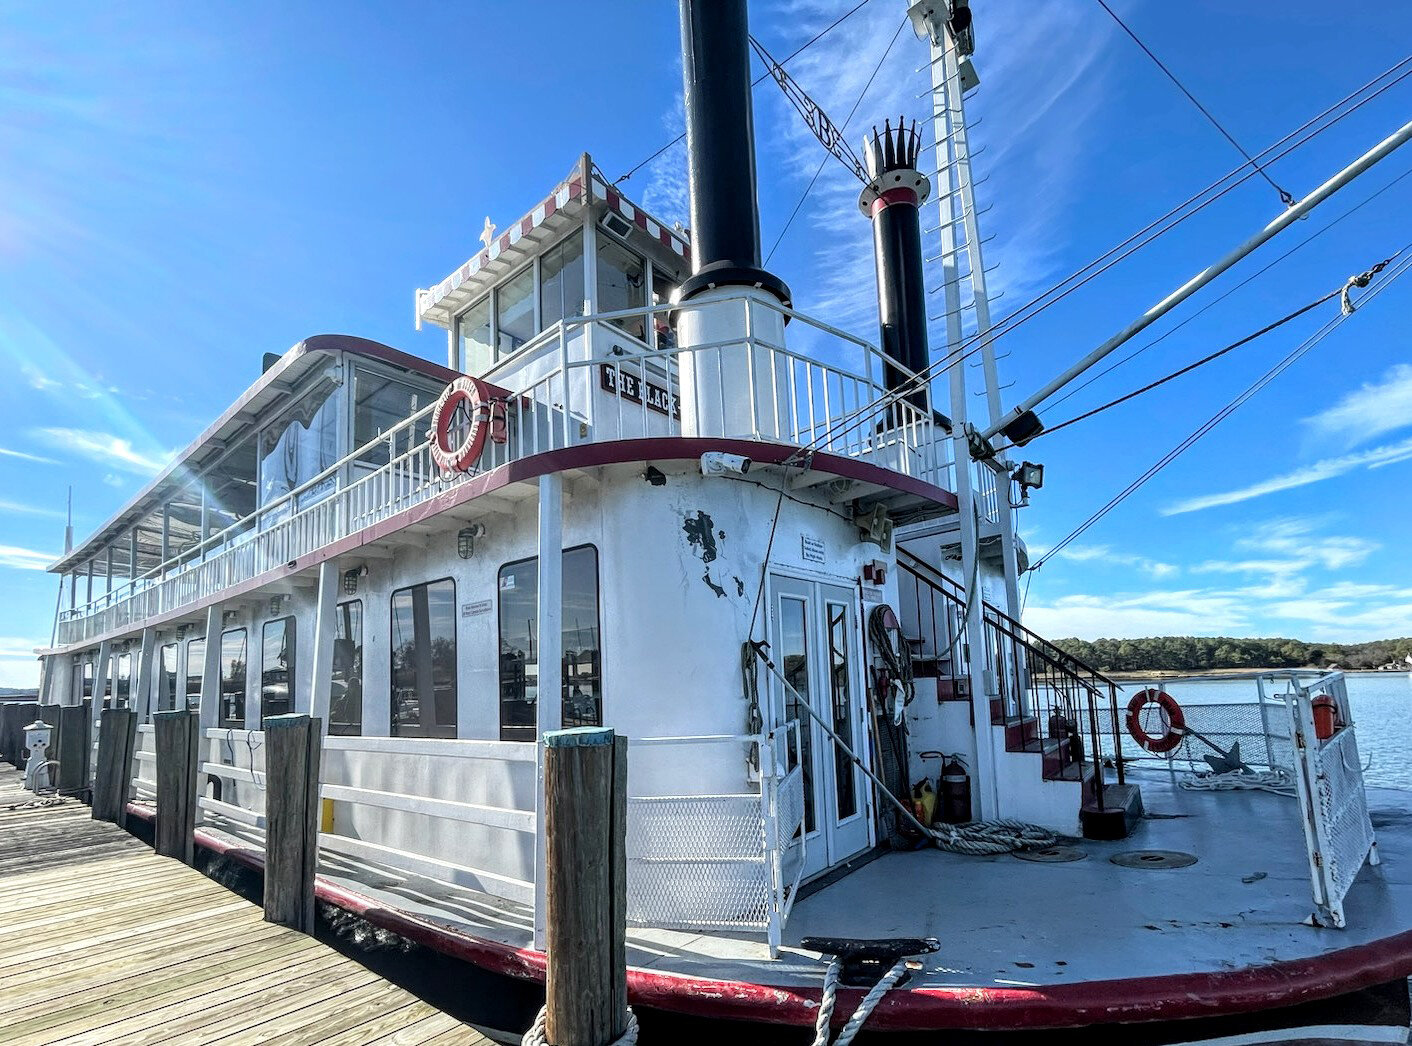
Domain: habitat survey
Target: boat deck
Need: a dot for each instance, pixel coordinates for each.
(106, 942)
(1007, 923)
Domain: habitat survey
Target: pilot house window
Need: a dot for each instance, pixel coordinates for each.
(582, 686)
(424, 660)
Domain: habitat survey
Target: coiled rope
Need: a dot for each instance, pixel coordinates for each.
(861, 1014)
(981, 838)
(536, 1033)
(1276, 780)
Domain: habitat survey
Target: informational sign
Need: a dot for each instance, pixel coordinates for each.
(480, 606)
(633, 389)
(811, 549)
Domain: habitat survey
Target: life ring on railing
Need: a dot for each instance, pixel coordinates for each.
(472, 394)
(1173, 720)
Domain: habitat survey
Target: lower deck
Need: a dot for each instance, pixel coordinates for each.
(1027, 936)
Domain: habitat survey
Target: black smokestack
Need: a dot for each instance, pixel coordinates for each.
(720, 139)
(895, 191)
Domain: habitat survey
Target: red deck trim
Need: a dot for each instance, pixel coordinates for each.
(1172, 997)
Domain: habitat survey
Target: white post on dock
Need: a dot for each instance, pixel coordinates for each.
(325, 631)
(549, 708)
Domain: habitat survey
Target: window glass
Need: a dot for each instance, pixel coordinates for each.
(183, 522)
(473, 328)
(424, 660)
(582, 692)
(230, 490)
(167, 679)
(514, 303)
(277, 667)
(345, 714)
(86, 684)
(381, 403)
(840, 688)
(123, 697)
(662, 290)
(621, 284)
(195, 667)
(794, 660)
(302, 444)
(561, 281)
(234, 660)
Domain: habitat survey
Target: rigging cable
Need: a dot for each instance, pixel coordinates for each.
(1225, 412)
(1285, 196)
(1226, 294)
(757, 82)
(971, 345)
(851, 113)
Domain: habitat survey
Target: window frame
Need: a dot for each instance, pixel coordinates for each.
(421, 730)
(334, 727)
(222, 720)
(291, 646)
(499, 636)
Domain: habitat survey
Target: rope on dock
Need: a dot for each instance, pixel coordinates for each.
(864, 1010)
(1276, 780)
(536, 1034)
(991, 837)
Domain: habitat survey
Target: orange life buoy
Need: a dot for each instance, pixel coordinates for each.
(475, 397)
(1172, 716)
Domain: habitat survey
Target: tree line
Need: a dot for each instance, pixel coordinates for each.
(1203, 653)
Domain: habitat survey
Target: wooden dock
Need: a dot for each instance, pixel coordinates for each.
(105, 942)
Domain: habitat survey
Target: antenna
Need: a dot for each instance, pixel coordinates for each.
(69, 525)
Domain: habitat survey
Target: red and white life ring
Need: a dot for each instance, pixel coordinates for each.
(1173, 719)
(473, 394)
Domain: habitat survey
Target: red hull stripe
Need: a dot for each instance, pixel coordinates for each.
(1173, 997)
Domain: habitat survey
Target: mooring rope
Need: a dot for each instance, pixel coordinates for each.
(865, 1008)
(1276, 780)
(536, 1034)
(981, 838)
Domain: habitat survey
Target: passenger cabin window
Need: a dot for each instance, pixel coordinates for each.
(230, 490)
(234, 646)
(195, 667)
(345, 714)
(167, 678)
(183, 522)
(380, 404)
(622, 284)
(302, 444)
(88, 680)
(123, 696)
(582, 692)
(515, 312)
(424, 660)
(474, 329)
(561, 281)
(277, 667)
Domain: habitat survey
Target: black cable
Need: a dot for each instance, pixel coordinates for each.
(1193, 366)
(1037, 305)
(759, 80)
(1226, 294)
(1285, 197)
(1216, 419)
(822, 163)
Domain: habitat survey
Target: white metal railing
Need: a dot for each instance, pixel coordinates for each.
(584, 380)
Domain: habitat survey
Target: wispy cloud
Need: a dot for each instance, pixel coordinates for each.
(19, 508)
(1106, 555)
(1299, 539)
(1373, 410)
(107, 449)
(17, 558)
(5, 452)
(1319, 471)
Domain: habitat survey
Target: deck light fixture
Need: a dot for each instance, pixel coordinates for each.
(350, 582)
(655, 476)
(276, 605)
(1030, 477)
(466, 539)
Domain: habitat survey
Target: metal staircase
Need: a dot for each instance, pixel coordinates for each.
(1043, 701)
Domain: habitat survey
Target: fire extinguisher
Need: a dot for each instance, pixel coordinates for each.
(955, 791)
(1326, 717)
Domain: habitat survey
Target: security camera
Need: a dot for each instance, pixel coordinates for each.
(714, 463)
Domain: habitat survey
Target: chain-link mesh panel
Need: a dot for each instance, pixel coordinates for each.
(1343, 807)
(1263, 741)
(698, 862)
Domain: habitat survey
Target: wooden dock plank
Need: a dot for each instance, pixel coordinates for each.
(111, 944)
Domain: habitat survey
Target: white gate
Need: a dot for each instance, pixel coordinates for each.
(1329, 780)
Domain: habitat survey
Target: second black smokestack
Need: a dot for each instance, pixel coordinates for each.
(720, 139)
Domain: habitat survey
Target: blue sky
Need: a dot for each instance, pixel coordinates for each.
(186, 187)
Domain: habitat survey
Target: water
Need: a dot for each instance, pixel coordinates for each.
(1382, 712)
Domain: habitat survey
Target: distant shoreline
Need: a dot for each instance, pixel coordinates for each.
(1169, 673)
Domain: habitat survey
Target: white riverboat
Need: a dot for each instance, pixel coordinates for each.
(645, 492)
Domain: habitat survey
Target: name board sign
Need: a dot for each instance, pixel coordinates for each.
(633, 389)
(475, 609)
(811, 549)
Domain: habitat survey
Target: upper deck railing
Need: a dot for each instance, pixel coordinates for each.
(588, 379)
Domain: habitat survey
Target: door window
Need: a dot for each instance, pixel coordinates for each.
(167, 678)
(345, 714)
(840, 687)
(233, 674)
(794, 663)
(195, 667)
(277, 667)
(424, 660)
(123, 697)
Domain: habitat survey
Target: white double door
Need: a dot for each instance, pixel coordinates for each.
(814, 644)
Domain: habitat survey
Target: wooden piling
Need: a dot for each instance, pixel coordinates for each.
(585, 806)
(72, 749)
(117, 736)
(178, 751)
(10, 741)
(292, 749)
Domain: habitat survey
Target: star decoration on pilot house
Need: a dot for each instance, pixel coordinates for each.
(487, 235)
